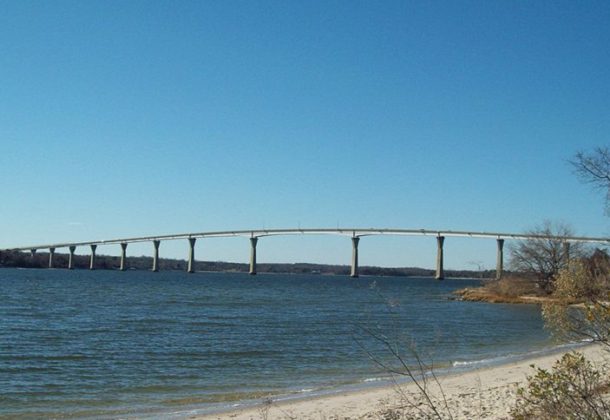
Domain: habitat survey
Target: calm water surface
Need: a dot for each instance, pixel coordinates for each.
(106, 344)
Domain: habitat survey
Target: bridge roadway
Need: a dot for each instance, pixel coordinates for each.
(354, 233)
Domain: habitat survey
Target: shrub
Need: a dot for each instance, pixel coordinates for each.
(584, 282)
(573, 389)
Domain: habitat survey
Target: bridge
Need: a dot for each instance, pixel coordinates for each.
(354, 233)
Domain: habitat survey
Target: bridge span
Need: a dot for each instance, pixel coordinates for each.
(254, 234)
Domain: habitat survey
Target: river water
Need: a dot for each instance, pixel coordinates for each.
(119, 344)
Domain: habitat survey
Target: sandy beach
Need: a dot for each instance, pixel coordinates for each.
(487, 393)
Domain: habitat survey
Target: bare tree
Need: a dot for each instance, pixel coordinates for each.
(594, 168)
(545, 255)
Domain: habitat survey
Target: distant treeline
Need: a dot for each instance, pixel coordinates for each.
(106, 262)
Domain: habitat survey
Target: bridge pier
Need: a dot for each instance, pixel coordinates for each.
(354, 271)
(123, 266)
(92, 259)
(32, 253)
(51, 255)
(191, 262)
(500, 259)
(253, 242)
(440, 272)
(71, 257)
(155, 266)
(566, 251)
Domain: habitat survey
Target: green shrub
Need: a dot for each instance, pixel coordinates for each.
(573, 389)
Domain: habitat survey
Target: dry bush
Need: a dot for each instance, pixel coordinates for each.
(586, 282)
(398, 356)
(428, 400)
(573, 389)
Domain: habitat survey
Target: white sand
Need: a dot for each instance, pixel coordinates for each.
(487, 393)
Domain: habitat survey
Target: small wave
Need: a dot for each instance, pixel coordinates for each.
(520, 356)
(373, 380)
(475, 362)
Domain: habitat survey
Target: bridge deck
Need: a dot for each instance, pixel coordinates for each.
(351, 232)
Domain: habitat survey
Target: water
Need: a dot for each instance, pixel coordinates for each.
(106, 344)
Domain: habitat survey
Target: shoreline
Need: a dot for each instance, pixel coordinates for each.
(488, 391)
(481, 294)
(144, 263)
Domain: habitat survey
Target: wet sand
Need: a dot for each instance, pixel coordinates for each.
(487, 393)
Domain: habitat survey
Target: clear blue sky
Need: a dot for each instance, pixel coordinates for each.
(127, 118)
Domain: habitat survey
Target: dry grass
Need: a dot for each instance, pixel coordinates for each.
(509, 289)
(514, 287)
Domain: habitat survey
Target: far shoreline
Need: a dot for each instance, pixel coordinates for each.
(40, 260)
(259, 273)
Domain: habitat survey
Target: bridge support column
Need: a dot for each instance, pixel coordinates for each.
(92, 260)
(51, 255)
(253, 242)
(71, 257)
(155, 266)
(354, 271)
(500, 259)
(566, 251)
(123, 266)
(191, 263)
(440, 272)
(32, 253)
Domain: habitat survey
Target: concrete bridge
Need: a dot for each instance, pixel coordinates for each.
(354, 233)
